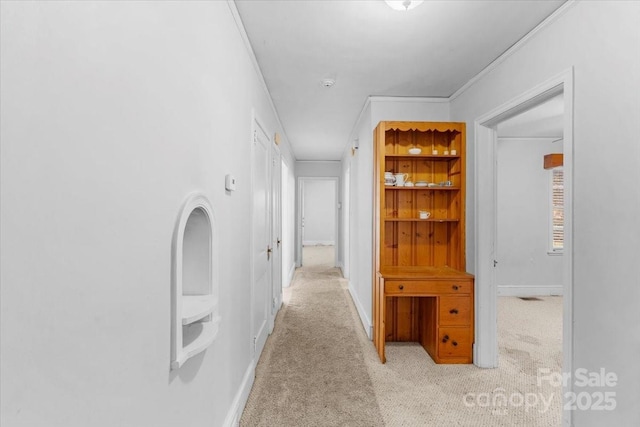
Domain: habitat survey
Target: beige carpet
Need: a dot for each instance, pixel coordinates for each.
(320, 369)
(414, 391)
(320, 255)
(312, 371)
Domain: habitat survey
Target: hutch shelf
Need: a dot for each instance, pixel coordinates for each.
(421, 290)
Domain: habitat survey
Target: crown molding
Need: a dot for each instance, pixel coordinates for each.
(256, 67)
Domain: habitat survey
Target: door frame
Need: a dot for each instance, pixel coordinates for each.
(275, 229)
(300, 192)
(257, 342)
(486, 293)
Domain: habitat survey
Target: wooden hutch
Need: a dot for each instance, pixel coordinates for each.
(421, 290)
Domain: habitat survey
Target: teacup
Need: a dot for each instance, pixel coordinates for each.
(424, 214)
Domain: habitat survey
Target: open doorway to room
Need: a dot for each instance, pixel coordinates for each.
(318, 221)
(529, 241)
(491, 277)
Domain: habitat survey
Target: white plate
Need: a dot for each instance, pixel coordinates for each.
(421, 184)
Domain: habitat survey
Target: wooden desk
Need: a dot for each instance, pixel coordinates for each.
(429, 305)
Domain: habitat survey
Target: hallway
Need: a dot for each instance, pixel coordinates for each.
(319, 368)
(151, 219)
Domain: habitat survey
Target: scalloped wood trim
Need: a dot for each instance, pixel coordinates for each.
(424, 126)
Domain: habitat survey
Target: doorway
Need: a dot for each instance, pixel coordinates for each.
(486, 291)
(261, 280)
(276, 234)
(318, 221)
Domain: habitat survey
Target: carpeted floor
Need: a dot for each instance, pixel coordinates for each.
(320, 369)
(319, 255)
(312, 371)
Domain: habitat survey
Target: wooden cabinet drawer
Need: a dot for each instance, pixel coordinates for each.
(455, 310)
(427, 287)
(454, 342)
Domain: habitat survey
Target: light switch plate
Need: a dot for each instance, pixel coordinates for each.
(230, 182)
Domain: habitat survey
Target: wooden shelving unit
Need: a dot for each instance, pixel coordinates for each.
(421, 289)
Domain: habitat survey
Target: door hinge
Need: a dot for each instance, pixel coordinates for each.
(495, 263)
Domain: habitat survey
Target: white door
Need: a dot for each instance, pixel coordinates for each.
(261, 250)
(319, 218)
(276, 234)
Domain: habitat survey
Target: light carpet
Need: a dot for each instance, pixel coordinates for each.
(312, 370)
(320, 369)
(318, 255)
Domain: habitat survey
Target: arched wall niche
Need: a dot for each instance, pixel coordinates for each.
(194, 303)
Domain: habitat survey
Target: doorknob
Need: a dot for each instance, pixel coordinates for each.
(269, 250)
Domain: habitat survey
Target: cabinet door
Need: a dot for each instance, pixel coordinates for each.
(455, 310)
(454, 342)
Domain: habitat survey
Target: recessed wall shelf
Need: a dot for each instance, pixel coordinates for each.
(194, 305)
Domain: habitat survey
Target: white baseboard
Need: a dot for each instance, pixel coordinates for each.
(241, 397)
(366, 322)
(528, 291)
(318, 243)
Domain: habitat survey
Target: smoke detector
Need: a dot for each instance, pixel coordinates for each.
(328, 82)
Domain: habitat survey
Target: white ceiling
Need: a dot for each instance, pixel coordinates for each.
(370, 49)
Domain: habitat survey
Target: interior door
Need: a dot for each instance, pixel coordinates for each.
(276, 234)
(261, 248)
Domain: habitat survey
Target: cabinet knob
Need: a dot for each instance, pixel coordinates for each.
(445, 338)
(401, 287)
(454, 343)
(453, 311)
(455, 287)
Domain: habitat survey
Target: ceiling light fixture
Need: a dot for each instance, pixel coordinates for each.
(403, 5)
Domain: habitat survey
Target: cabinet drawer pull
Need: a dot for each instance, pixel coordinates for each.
(445, 338)
(455, 287)
(453, 311)
(454, 343)
(401, 287)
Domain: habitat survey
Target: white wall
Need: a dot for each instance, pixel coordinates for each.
(288, 223)
(596, 38)
(112, 112)
(361, 172)
(319, 212)
(525, 267)
(308, 168)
